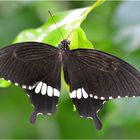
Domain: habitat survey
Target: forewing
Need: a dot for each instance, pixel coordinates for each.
(95, 75)
(26, 63)
(36, 68)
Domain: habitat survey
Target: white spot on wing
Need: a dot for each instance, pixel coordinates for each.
(89, 118)
(95, 97)
(39, 113)
(85, 95)
(91, 95)
(126, 96)
(9, 81)
(134, 96)
(102, 98)
(50, 91)
(49, 114)
(44, 89)
(16, 84)
(30, 87)
(110, 97)
(79, 93)
(23, 86)
(119, 96)
(73, 94)
(38, 87)
(56, 92)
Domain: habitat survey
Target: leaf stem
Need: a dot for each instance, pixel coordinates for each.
(93, 6)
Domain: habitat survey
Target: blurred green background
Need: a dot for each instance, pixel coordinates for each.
(113, 27)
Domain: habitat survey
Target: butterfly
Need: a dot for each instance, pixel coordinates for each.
(94, 76)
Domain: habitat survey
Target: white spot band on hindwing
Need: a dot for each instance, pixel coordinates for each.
(81, 93)
(42, 88)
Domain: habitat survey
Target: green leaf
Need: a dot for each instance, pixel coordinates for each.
(124, 111)
(78, 40)
(67, 22)
(48, 33)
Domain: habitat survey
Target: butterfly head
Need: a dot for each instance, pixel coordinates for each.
(65, 44)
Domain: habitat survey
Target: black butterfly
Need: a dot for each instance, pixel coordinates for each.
(94, 76)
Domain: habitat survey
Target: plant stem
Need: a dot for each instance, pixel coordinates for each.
(93, 6)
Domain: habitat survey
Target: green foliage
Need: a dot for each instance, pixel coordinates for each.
(67, 22)
(78, 40)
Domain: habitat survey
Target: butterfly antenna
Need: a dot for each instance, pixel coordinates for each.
(56, 24)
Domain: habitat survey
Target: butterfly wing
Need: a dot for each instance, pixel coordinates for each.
(36, 68)
(95, 77)
(88, 108)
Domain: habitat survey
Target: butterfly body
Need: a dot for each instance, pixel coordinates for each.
(94, 76)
